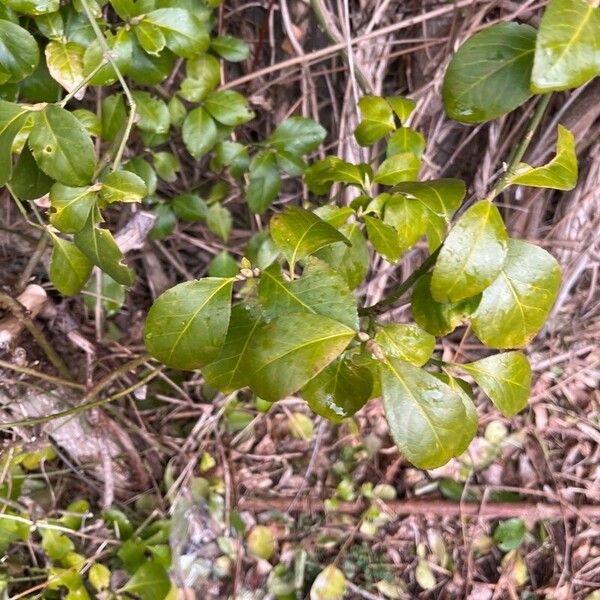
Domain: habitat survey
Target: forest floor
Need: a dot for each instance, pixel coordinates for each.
(516, 517)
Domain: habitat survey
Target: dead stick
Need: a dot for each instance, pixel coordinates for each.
(442, 508)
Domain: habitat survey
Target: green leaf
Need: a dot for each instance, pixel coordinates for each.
(319, 291)
(51, 25)
(505, 378)
(350, 262)
(113, 116)
(33, 7)
(299, 233)
(322, 174)
(231, 371)
(407, 342)
(12, 120)
(403, 107)
(408, 217)
(426, 417)
(189, 207)
(435, 317)
(264, 182)
(339, 391)
(56, 545)
(165, 222)
(187, 325)
(28, 181)
(203, 76)
(122, 186)
(89, 120)
(297, 135)
(377, 121)
(125, 9)
(384, 238)
(567, 50)
(219, 221)
(405, 140)
(232, 155)
(71, 206)
(62, 147)
(228, 107)
(184, 33)
(166, 165)
(441, 198)
(489, 74)
(199, 132)
(65, 63)
(153, 114)
(121, 47)
(285, 354)
(144, 171)
(150, 37)
(69, 267)
(177, 111)
(149, 582)
(223, 265)
(19, 56)
(149, 70)
(472, 255)
(515, 307)
(111, 293)
(559, 174)
(509, 534)
(330, 584)
(100, 247)
(39, 86)
(397, 168)
(230, 48)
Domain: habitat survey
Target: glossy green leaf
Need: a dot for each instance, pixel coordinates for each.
(189, 207)
(56, 544)
(510, 534)
(515, 307)
(51, 25)
(144, 171)
(377, 120)
(149, 582)
(489, 74)
(122, 186)
(407, 342)
(166, 165)
(219, 221)
(297, 135)
(28, 181)
(334, 215)
(230, 48)
(384, 238)
(19, 56)
(39, 86)
(505, 378)
(435, 317)
(403, 107)
(71, 206)
(228, 107)
(426, 417)
(65, 63)
(559, 174)
(223, 265)
(89, 120)
(177, 111)
(472, 255)
(69, 268)
(184, 33)
(231, 371)
(291, 350)
(405, 140)
(235, 156)
(153, 114)
(441, 198)
(408, 217)
(322, 174)
(187, 325)
(203, 76)
(149, 70)
(398, 168)
(299, 233)
(121, 46)
(199, 132)
(339, 391)
(113, 116)
(319, 291)
(33, 7)
(264, 182)
(150, 37)
(12, 120)
(100, 247)
(350, 262)
(125, 9)
(567, 50)
(62, 147)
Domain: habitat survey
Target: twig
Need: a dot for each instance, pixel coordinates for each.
(33, 373)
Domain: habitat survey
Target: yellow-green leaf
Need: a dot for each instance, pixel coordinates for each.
(407, 342)
(12, 120)
(69, 267)
(71, 206)
(65, 63)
